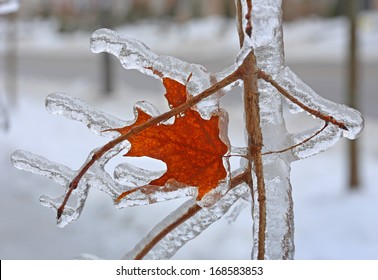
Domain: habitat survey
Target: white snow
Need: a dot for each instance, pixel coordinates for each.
(331, 222)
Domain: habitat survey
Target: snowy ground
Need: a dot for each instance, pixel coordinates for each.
(330, 221)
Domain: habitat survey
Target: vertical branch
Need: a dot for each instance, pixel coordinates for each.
(249, 74)
(239, 21)
(352, 7)
(255, 142)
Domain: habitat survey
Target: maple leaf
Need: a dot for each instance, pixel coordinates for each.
(190, 147)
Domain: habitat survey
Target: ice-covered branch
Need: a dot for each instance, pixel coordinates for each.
(133, 54)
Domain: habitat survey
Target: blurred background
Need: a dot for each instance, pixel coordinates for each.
(44, 48)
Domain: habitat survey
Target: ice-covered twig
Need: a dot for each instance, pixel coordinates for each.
(63, 175)
(133, 54)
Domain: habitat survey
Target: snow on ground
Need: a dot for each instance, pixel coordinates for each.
(330, 221)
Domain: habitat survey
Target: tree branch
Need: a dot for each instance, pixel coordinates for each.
(255, 142)
(252, 123)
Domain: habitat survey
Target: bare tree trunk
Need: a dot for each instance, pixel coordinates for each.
(352, 8)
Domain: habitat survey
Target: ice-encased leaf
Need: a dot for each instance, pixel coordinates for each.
(125, 175)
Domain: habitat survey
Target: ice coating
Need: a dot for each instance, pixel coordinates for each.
(96, 177)
(75, 109)
(188, 230)
(268, 46)
(133, 54)
(129, 173)
(351, 118)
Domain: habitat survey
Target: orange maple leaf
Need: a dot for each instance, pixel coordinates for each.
(190, 147)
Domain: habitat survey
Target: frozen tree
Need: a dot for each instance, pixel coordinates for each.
(193, 93)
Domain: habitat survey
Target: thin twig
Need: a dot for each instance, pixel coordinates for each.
(239, 21)
(298, 144)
